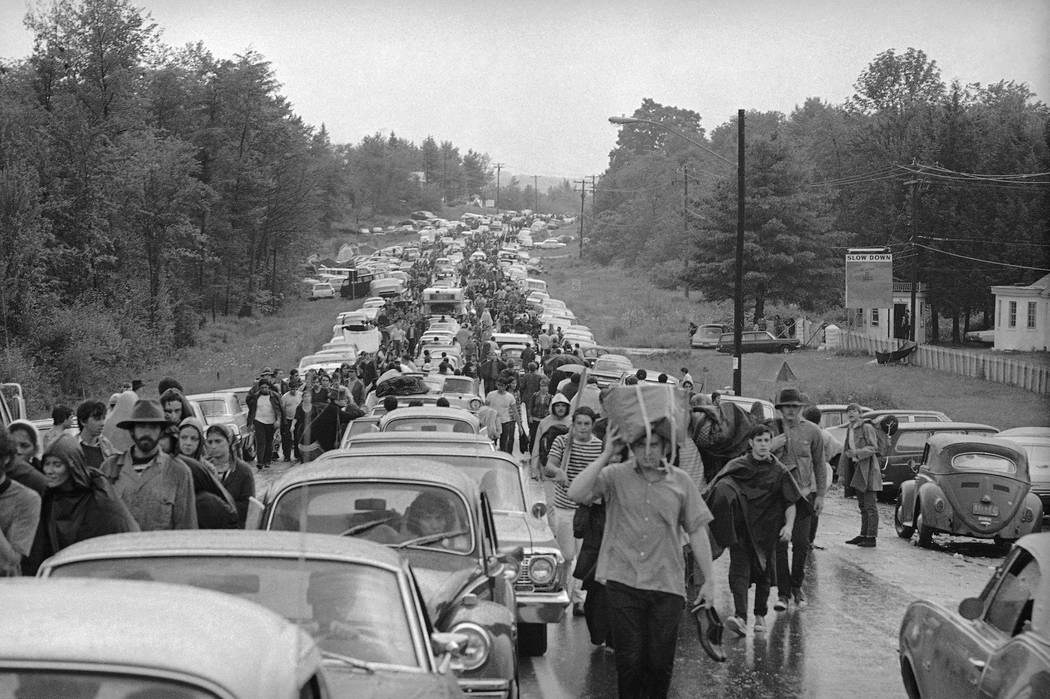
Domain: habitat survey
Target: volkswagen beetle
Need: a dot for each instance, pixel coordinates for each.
(969, 485)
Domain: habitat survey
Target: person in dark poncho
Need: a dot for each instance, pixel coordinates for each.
(753, 502)
(79, 503)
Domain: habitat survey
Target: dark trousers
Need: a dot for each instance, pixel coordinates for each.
(506, 437)
(263, 442)
(790, 578)
(533, 428)
(286, 439)
(869, 513)
(743, 572)
(645, 633)
(596, 613)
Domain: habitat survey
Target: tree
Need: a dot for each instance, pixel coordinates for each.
(788, 242)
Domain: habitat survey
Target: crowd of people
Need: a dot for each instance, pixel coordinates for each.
(641, 518)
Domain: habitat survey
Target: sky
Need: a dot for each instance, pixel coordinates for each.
(532, 84)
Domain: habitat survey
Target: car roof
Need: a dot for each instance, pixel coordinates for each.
(441, 440)
(943, 426)
(228, 542)
(1026, 432)
(949, 444)
(217, 395)
(341, 464)
(432, 412)
(134, 624)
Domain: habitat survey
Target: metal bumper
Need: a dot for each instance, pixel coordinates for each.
(484, 687)
(542, 608)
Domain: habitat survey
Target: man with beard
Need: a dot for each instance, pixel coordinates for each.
(156, 487)
(753, 502)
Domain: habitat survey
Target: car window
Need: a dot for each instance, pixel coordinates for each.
(458, 385)
(213, 408)
(349, 608)
(424, 424)
(977, 461)
(913, 440)
(390, 513)
(1010, 608)
(88, 685)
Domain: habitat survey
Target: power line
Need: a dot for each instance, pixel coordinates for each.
(977, 259)
(983, 240)
(1018, 176)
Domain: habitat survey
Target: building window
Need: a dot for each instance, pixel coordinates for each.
(1031, 314)
(1011, 321)
(874, 317)
(999, 313)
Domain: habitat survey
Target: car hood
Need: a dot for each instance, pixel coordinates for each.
(964, 490)
(521, 529)
(441, 587)
(346, 682)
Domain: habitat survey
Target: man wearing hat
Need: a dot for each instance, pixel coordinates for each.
(156, 487)
(799, 445)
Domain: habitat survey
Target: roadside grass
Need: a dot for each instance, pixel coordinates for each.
(231, 351)
(625, 309)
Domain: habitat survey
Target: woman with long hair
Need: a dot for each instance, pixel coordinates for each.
(234, 474)
(79, 503)
(215, 506)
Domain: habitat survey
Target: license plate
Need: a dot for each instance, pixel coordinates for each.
(979, 508)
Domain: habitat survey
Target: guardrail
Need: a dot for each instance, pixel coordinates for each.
(1000, 369)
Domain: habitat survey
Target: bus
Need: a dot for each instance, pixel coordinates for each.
(443, 302)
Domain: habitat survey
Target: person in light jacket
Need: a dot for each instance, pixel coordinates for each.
(861, 451)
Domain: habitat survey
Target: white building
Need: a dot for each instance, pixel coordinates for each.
(1022, 316)
(894, 323)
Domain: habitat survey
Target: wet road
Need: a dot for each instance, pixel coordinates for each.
(844, 643)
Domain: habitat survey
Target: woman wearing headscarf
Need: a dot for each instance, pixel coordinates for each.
(215, 506)
(79, 503)
(25, 465)
(120, 438)
(234, 475)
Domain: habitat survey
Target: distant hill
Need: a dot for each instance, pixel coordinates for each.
(543, 182)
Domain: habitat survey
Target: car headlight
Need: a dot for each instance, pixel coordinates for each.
(475, 652)
(542, 570)
(475, 404)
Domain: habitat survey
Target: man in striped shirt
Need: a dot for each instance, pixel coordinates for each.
(571, 453)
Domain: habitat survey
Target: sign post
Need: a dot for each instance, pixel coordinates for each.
(869, 279)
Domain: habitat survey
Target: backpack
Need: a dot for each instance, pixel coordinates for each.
(547, 440)
(884, 429)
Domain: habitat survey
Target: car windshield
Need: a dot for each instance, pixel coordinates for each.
(712, 331)
(90, 685)
(214, 407)
(389, 513)
(979, 461)
(428, 424)
(1038, 457)
(613, 364)
(351, 609)
(458, 385)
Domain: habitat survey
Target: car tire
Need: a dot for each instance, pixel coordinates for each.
(532, 639)
(903, 530)
(925, 533)
(1003, 545)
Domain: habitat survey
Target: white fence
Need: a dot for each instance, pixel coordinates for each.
(979, 365)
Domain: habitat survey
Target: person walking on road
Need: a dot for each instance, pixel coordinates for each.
(753, 502)
(265, 416)
(91, 415)
(234, 475)
(569, 454)
(505, 404)
(156, 487)
(799, 446)
(648, 502)
(861, 450)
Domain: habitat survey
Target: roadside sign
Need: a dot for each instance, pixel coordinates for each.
(869, 280)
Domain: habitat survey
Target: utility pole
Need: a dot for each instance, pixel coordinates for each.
(583, 197)
(685, 226)
(916, 251)
(738, 292)
(444, 174)
(499, 166)
(535, 193)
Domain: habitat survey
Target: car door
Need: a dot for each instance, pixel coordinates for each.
(1012, 658)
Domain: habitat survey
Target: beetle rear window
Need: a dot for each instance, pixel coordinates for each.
(978, 461)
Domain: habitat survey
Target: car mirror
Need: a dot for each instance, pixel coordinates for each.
(971, 608)
(447, 646)
(539, 510)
